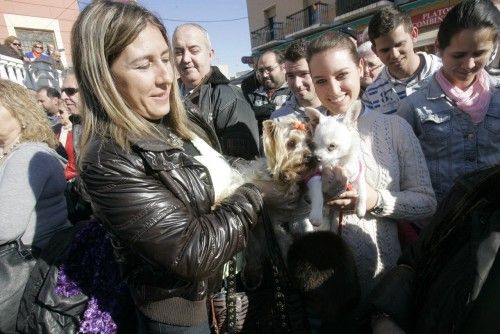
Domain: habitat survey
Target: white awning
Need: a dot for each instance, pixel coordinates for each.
(426, 38)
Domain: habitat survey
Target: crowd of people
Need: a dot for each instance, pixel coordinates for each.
(12, 47)
(126, 140)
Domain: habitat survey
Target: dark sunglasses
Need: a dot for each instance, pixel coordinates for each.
(16, 44)
(69, 91)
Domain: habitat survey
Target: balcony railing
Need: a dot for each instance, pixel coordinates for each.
(31, 75)
(12, 69)
(344, 6)
(313, 15)
(267, 34)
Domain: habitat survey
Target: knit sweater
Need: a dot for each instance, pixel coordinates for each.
(32, 202)
(396, 168)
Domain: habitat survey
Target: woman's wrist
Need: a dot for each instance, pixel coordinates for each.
(374, 199)
(378, 207)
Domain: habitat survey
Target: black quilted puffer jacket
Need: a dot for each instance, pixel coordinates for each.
(156, 201)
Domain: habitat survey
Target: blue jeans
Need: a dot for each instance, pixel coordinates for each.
(148, 326)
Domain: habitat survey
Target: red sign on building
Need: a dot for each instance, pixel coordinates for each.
(431, 18)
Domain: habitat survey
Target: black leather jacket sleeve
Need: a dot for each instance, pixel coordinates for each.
(167, 219)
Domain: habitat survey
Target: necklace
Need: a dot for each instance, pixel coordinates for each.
(7, 150)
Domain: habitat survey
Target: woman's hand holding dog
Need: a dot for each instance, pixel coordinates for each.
(346, 201)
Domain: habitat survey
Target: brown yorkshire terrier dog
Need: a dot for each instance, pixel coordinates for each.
(289, 162)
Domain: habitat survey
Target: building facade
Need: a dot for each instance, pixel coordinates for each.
(48, 21)
(274, 24)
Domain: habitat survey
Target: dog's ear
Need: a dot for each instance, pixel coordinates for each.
(269, 142)
(352, 114)
(268, 127)
(314, 116)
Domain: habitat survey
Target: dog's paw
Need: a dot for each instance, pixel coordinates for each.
(360, 213)
(305, 226)
(361, 207)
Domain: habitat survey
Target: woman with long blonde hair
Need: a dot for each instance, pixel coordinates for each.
(142, 168)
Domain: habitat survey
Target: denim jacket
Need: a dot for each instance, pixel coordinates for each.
(452, 144)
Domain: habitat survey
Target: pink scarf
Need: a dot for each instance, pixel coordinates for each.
(474, 100)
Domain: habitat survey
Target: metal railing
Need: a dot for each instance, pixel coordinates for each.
(30, 75)
(307, 17)
(344, 6)
(267, 34)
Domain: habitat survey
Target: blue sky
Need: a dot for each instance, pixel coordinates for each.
(225, 20)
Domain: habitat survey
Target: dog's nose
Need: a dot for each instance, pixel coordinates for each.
(317, 158)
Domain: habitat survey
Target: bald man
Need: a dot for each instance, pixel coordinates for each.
(212, 103)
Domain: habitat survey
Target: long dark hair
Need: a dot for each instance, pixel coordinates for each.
(333, 40)
(469, 14)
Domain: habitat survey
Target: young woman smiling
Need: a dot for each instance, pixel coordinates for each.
(397, 178)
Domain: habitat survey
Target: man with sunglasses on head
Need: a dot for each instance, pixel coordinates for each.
(273, 90)
(36, 52)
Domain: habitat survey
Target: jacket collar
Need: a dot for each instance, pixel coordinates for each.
(262, 90)
(429, 65)
(434, 91)
(156, 145)
(215, 77)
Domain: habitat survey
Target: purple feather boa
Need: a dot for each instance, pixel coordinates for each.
(91, 269)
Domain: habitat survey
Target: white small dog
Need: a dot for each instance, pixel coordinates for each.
(337, 144)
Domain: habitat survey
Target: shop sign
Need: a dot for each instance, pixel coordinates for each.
(431, 18)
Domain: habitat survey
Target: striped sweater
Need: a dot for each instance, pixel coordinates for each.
(384, 94)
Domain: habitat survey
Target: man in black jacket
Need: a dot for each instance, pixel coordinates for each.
(273, 90)
(207, 92)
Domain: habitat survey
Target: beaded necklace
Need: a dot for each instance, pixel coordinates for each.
(7, 150)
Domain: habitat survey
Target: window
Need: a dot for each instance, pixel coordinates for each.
(28, 36)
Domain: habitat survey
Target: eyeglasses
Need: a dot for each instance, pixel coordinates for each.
(268, 69)
(70, 91)
(373, 67)
(38, 47)
(16, 44)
